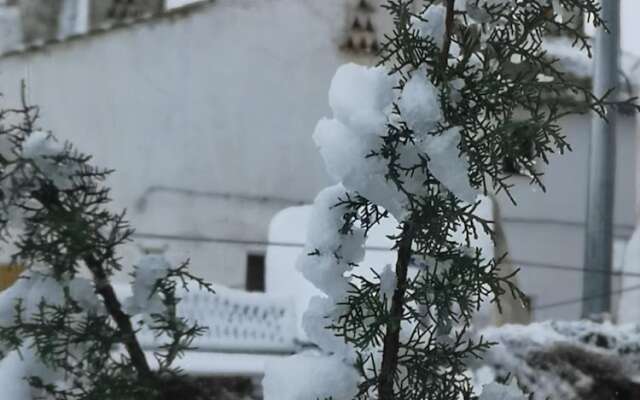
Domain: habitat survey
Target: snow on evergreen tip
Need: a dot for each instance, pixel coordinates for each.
(431, 24)
(35, 287)
(361, 99)
(148, 271)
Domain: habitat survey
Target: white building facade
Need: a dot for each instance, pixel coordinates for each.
(206, 113)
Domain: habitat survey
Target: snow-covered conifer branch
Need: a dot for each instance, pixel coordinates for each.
(76, 336)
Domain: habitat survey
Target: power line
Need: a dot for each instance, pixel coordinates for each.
(206, 239)
(568, 268)
(586, 298)
(245, 242)
(262, 198)
(559, 222)
(142, 201)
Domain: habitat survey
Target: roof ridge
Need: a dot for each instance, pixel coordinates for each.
(108, 26)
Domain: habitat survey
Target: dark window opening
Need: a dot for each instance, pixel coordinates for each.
(255, 273)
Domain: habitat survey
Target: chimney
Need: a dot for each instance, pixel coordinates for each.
(110, 11)
(40, 19)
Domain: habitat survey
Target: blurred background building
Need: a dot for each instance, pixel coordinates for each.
(206, 110)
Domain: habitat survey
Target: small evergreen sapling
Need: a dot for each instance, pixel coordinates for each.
(76, 337)
(459, 87)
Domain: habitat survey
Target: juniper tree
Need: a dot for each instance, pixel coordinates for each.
(63, 315)
(458, 89)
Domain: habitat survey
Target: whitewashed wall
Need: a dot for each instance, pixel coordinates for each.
(10, 28)
(548, 228)
(223, 100)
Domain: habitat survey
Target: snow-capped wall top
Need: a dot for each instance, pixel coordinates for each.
(578, 63)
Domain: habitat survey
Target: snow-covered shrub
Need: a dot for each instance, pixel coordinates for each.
(416, 139)
(568, 360)
(64, 333)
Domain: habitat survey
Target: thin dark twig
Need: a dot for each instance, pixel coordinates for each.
(392, 336)
(446, 44)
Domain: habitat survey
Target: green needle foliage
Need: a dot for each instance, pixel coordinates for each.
(55, 212)
(512, 90)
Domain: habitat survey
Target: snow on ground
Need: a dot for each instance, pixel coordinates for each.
(565, 360)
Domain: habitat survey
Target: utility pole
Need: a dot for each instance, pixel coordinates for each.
(602, 148)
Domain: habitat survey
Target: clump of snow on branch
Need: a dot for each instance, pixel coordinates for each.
(431, 24)
(39, 145)
(334, 254)
(29, 292)
(326, 222)
(420, 104)
(35, 287)
(42, 155)
(148, 271)
(16, 367)
(446, 164)
(45, 151)
(361, 98)
(320, 312)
